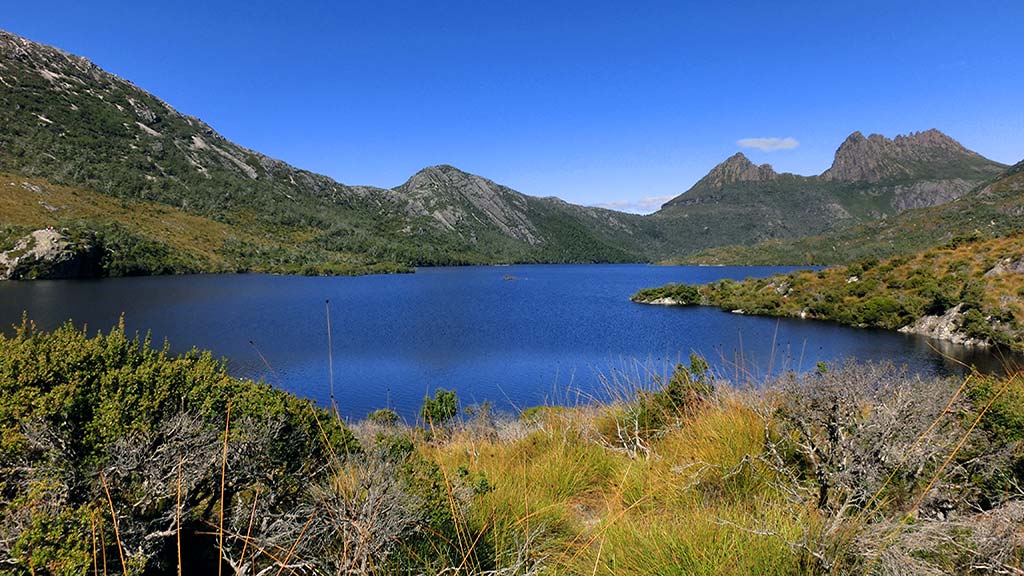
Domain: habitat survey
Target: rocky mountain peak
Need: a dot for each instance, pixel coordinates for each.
(443, 171)
(736, 168)
(878, 158)
(446, 177)
(458, 201)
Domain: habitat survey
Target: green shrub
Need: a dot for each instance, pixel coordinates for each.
(441, 408)
(689, 388)
(71, 405)
(383, 416)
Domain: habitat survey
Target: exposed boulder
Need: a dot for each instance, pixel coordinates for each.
(945, 327)
(49, 254)
(1006, 266)
(663, 301)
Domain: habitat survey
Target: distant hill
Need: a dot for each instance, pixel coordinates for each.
(870, 179)
(484, 215)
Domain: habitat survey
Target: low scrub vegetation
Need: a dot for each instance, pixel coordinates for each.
(982, 280)
(118, 458)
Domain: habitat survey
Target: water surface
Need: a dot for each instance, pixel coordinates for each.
(547, 336)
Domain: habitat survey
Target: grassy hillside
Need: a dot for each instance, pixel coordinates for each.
(982, 278)
(144, 237)
(114, 457)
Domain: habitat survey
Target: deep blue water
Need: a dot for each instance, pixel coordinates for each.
(547, 337)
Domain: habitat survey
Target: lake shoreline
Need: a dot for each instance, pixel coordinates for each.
(562, 331)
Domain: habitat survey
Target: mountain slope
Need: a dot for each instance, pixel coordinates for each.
(64, 119)
(481, 212)
(993, 209)
(870, 179)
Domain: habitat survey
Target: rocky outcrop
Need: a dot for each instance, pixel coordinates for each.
(1006, 266)
(663, 301)
(48, 254)
(737, 168)
(945, 327)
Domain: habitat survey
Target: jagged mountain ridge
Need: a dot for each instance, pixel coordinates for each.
(992, 210)
(929, 154)
(871, 178)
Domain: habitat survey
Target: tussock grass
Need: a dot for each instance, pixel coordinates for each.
(683, 509)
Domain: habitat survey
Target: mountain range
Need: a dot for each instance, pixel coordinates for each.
(76, 132)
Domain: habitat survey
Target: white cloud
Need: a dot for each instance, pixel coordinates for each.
(768, 144)
(641, 206)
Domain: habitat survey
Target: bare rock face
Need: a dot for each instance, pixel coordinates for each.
(737, 168)
(1006, 266)
(876, 158)
(945, 327)
(929, 193)
(48, 254)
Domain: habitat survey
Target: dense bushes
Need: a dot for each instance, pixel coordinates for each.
(441, 408)
(81, 417)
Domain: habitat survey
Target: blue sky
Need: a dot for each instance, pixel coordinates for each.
(614, 103)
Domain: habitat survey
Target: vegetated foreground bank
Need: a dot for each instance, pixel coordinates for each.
(114, 455)
(968, 292)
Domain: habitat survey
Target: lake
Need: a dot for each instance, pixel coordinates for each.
(554, 334)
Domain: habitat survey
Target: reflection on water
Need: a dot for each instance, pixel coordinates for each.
(555, 334)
